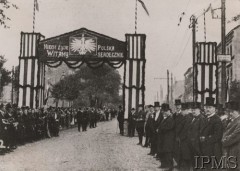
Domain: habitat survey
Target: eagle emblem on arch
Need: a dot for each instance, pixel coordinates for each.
(83, 45)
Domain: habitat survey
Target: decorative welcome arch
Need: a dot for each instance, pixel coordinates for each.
(75, 49)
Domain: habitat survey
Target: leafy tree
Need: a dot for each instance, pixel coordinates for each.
(4, 5)
(5, 75)
(90, 87)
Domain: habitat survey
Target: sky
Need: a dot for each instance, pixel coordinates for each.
(168, 46)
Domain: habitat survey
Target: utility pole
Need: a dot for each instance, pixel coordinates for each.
(193, 26)
(168, 88)
(12, 85)
(171, 88)
(223, 31)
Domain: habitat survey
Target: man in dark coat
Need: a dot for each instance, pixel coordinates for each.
(149, 116)
(155, 121)
(79, 118)
(197, 123)
(179, 123)
(211, 133)
(140, 121)
(131, 123)
(120, 119)
(166, 135)
(231, 138)
(85, 120)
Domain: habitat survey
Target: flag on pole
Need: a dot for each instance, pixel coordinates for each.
(144, 6)
(37, 6)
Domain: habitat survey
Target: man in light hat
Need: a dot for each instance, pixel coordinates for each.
(231, 138)
(212, 132)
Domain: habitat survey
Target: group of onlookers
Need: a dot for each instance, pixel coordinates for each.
(23, 125)
(193, 137)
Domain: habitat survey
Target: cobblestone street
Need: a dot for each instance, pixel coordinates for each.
(98, 149)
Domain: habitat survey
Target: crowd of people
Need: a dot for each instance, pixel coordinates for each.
(24, 125)
(193, 137)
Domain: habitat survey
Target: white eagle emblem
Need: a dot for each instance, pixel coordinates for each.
(83, 45)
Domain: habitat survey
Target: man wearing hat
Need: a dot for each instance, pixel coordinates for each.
(166, 136)
(231, 138)
(197, 123)
(140, 120)
(149, 116)
(131, 123)
(120, 119)
(212, 132)
(179, 120)
(155, 121)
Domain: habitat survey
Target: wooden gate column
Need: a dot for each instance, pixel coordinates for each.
(31, 75)
(134, 72)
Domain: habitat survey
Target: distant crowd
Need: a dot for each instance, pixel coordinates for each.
(25, 125)
(193, 137)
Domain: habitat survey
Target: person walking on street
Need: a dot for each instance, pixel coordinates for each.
(120, 119)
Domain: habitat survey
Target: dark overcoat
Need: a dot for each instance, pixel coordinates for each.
(213, 132)
(231, 140)
(166, 135)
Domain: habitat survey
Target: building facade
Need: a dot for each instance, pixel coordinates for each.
(233, 67)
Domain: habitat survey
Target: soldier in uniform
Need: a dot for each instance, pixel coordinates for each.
(131, 123)
(120, 119)
(212, 132)
(140, 121)
(231, 138)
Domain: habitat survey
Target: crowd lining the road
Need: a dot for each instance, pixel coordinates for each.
(194, 137)
(19, 126)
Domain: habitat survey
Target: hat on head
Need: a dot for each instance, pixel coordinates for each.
(150, 106)
(133, 109)
(178, 102)
(233, 105)
(140, 105)
(157, 104)
(165, 107)
(210, 101)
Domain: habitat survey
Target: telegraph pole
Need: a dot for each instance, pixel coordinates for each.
(223, 34)
(168, 88)
(193, 26)
(12, 84)
(171, 88)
